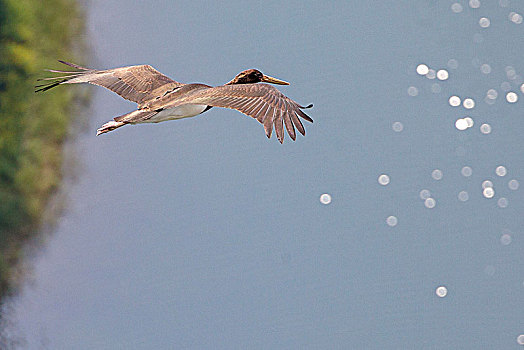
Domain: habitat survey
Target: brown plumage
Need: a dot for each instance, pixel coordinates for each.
(160, 98)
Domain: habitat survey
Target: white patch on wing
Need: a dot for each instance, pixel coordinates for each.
(179, 112)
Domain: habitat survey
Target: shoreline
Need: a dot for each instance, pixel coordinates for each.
(36, 130)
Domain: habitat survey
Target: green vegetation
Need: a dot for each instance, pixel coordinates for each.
(33, 127)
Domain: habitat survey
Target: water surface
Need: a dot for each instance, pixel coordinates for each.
(202, 233)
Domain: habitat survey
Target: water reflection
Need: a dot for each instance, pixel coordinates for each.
(463, 196)
(383, 179)
(392, 220)
(325, 198)
(513, 185)
(441, 291)
(430, 203)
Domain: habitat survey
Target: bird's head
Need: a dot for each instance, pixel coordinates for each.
(252, 76)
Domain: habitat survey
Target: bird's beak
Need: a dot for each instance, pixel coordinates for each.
(268, 79)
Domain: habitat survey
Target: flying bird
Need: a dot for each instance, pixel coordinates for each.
(160, 98)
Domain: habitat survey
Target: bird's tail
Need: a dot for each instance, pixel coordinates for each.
(109, 126)
(134, 117)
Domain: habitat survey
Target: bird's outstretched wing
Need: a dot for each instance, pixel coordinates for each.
(135, 83)
(260, 101)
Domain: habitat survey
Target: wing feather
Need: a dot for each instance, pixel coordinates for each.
(250, 106)
(260, 101)
(279, 128)
(298, 123)
(135, 83)
(289, 124)
(268, 122)
(257, 109)
(261, 115)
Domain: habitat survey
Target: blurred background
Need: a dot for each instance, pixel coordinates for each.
(395, 223)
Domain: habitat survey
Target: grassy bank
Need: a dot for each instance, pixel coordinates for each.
(33, 127)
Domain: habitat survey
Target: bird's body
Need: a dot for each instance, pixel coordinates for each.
(160, 98)
(179, 112)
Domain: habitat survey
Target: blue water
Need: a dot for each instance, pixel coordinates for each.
(202, 233)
